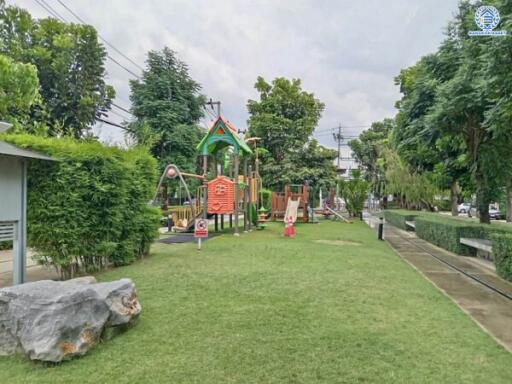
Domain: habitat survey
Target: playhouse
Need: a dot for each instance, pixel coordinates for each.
(230, 181)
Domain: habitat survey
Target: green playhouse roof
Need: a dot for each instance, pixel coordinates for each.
(220, 135)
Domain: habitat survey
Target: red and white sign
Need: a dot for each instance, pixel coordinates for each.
(201, 228)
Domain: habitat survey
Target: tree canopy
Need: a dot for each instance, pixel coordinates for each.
(19, 90)
(70, 69)
(367, 150)
(168, 105)
(284, 118)
(452, 130)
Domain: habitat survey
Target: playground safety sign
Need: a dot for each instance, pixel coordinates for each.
(201, 228)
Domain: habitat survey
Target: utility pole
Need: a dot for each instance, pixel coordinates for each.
(211, 103)
(338, 138)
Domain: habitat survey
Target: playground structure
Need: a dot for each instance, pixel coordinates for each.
(230, 185)
(221, 151)
(298, 195)
(291, 210)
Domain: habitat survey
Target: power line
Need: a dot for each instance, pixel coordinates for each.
(56, 14)
(211, 103)
(122, 66)
(121, 108)
(349, 126)
(101, 37)
(330, 130)
(212, 115)
(326, 134)
(343, 126)
(114, 124)
(118, 114)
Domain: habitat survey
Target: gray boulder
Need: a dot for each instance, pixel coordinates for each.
(57, 320)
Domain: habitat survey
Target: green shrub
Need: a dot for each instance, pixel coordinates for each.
(89, 209)
(265, 195)
(502, 254)
(399, 217)
(446, 233)
(443, 205)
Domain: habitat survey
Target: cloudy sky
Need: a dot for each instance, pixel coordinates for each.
(346, 52)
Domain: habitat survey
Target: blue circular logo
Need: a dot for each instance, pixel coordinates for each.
(487, 17)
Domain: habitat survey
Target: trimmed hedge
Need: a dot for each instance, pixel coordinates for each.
(399, 217)
(89, 209)
(502, 254)
(446, 233)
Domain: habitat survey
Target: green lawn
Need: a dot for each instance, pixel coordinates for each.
(264, 309)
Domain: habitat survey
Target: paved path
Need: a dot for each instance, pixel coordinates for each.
(35, 271)
(490, 310)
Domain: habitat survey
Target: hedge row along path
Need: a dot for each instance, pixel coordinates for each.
(491, 310)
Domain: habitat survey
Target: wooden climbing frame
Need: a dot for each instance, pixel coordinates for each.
(279, 200)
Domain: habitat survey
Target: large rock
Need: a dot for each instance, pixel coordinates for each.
(52, 321)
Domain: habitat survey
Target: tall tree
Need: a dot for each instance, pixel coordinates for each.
(367, 150)
(424, 146)
(284, 118)
(354, 192)
(168, 105)
(70, 64)
(499, 90)
(461, 105)
(18, 91)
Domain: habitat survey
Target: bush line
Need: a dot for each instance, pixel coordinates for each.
(89, 209)
(445, 232)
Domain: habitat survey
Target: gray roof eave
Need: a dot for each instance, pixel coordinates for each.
(10, 150)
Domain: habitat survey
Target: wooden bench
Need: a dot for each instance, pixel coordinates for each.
(410, 224)
(483, 247)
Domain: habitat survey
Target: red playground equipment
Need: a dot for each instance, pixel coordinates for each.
(221, 149)
(221, 195)
(289, 229)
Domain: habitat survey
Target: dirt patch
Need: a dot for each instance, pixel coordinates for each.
(337, 242)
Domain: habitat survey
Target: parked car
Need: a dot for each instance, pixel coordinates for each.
(463, 208)
(494, 214)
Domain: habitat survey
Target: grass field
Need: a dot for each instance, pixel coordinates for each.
(333, 305)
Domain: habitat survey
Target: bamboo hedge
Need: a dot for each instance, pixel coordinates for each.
(89, 209)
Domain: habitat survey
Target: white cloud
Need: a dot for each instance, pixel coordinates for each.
(346, 52)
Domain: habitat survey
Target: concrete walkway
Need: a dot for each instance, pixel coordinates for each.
(490, 310)
(35, 271)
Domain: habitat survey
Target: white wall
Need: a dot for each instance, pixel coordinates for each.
(10, 188)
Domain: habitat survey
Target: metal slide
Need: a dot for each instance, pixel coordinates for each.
(336, 214)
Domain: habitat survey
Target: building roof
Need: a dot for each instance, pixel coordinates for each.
(220, 135)
(10, 150)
